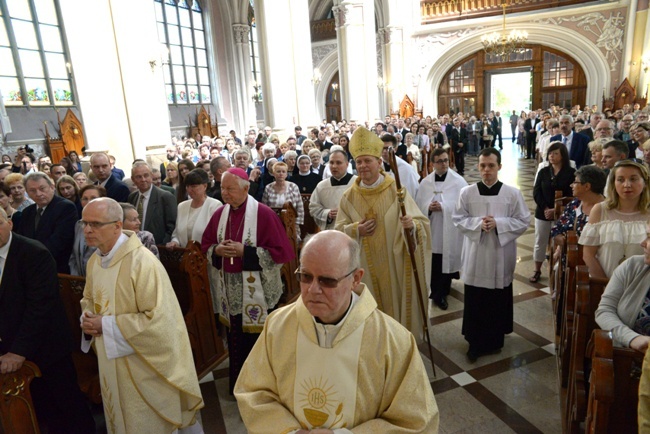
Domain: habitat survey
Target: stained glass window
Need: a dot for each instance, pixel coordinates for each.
(181, 33)
(34, 66)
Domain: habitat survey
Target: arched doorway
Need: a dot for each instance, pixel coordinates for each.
(556, 78)
(333, 100)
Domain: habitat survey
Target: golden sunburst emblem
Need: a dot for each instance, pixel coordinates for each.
(318, 403)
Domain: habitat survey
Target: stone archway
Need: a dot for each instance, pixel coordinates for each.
(575, 45)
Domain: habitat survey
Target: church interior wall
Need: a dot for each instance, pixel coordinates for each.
(593, 35)
(111, 43)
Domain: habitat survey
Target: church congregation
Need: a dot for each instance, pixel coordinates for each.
(462, 231)
(324, 216)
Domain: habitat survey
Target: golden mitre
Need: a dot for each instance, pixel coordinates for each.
(365, 142)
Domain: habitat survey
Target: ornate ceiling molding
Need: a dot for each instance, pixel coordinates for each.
(607, 32)
(320, 52)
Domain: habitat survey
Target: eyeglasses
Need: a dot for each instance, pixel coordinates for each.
(325, 282)
(443, 161)
(604, 129)
(96, 225)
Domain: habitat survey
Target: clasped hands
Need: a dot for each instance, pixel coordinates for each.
(488, 224)
(549, 213)
(367, 226)
(91, 324)
(230, 249)
(435, 206)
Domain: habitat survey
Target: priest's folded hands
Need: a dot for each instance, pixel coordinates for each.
(91, 324)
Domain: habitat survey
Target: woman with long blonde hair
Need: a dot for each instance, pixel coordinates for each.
(617, 226)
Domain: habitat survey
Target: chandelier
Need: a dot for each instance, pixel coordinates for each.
(504, 44)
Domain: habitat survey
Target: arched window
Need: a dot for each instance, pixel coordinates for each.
(34, 65)
(180, 30)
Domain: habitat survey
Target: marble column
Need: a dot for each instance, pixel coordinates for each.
(355, 25)
(644, 81)
(242, 67)
(116, 60)
(393, 46)
(285, 63)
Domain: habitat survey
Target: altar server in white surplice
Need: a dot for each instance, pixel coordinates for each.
(147, 375)
(437, 197)
(491, 216)
(324, 201)
(332, 362)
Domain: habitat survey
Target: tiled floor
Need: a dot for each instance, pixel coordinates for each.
(513, 391)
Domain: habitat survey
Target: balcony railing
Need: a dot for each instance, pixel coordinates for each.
(436, 11)
(322, 30)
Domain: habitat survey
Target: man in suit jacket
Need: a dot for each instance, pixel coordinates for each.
(50, 219)
(577, 144)
(158, 208)
(531, 133)
(34, 327)
(401, 129)
(457, 137)
(101, 167)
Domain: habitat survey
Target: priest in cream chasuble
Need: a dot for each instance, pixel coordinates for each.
(332, 360)
(146, 370)
(369, 212)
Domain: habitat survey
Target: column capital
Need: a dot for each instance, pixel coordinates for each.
(339, 16)
(390, 34)
(240, 32)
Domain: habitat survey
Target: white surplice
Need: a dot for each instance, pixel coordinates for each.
(489, 258)
(445, 237)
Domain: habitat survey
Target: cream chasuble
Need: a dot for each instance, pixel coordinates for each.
(326, 392)
(386, 389)
(384, 255)
(154, 389)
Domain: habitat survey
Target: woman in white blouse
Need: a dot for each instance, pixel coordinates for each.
(617, 226)
(413, 149)
(193, 214)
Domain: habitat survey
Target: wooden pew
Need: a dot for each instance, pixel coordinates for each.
(309, 226)
(188, 272)
(558, 279)
(553, 277)
(17, 413)
(614, 387)
(71, 289)
(588, 294)
(574, 258)
(291, 288)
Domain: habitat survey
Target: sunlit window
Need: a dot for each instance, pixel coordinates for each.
(462, 79)
(558, 71)
(34, 66)
(181, 32)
